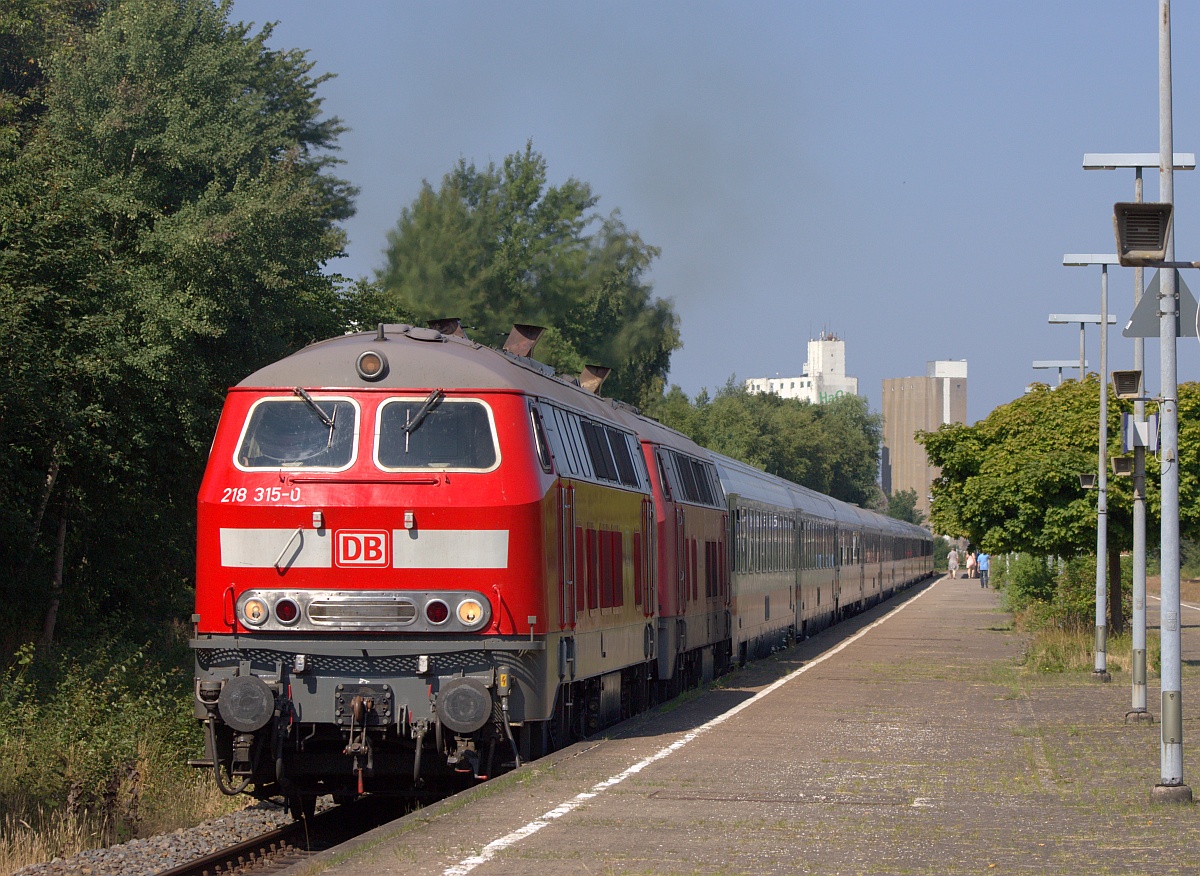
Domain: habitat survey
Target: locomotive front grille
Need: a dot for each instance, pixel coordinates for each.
(366, 612)
(348, 664)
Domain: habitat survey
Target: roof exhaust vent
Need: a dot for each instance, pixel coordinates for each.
(451, 325)
(522, 339)
(592, 377)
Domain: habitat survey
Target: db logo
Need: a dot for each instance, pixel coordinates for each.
(361, 548)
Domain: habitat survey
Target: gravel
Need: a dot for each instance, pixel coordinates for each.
(143, 857)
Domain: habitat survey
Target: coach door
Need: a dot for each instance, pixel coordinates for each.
(681, 559)
(566, 552)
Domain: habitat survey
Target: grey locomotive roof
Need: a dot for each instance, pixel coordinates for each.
(420, 360)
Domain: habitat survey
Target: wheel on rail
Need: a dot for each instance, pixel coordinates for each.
(302, 806)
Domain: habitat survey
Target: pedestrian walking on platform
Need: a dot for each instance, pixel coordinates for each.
(983, 561)
(971, 564)
(952, 562)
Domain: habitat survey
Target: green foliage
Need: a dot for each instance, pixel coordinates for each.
(499, 246)
(1027, 579)
(941, 554)
(1190, 555)
(832, 448)
(102, 727)
(165, 217)
(1010, 482)
(903, 506)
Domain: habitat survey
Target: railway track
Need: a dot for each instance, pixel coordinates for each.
(281, 848)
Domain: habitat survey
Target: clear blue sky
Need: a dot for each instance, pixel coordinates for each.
(905, 175)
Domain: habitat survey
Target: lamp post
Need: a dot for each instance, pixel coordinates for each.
(1171, 787)
(1138, 161)
(1060, 364)
(1100, 670)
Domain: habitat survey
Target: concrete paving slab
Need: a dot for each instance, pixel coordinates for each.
(907, 741)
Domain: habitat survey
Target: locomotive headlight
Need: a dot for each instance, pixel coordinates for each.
(255, 611)
(470, 612)
(371, 365)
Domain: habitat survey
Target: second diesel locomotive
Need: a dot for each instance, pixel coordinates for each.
(420, 558)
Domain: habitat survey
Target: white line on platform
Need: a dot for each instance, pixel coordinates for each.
(1183, 604)
(466, 865)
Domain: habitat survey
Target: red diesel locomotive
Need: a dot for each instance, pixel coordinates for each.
(420, 558)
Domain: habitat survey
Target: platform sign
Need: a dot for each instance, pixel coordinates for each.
(1144, 322)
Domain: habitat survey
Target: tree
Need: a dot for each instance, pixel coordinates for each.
(832, 448)
(902, 505)
(1011, 481)
(164, 223)
(499, 246)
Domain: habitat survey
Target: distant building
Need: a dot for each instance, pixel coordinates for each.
(919, 404)
(823, 379)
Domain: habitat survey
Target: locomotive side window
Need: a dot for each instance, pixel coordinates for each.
(586, 449)
(566, 439)
(693, 480)
(435, 433)
(539, 436)
(598, 449)
(300, 432)
(626, 472)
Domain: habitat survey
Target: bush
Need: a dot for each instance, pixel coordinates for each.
(1027, 580)
(1075, 596)
(103, 729)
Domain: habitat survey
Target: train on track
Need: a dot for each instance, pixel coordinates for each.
(422, 560)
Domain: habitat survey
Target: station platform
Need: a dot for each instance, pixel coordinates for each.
(905, 740)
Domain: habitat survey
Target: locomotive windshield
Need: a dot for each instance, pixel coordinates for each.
(299, 433)
(455, 434)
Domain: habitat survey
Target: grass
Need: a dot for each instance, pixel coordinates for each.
(1057, 649)
(33, 832)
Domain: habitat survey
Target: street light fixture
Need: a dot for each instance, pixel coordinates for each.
(1084, 319)
(1051, 364)
(1142, 231)
(1100, 671)
(1127, 385)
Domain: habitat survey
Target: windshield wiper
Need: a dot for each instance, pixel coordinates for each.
(434, 399)
(308, 400)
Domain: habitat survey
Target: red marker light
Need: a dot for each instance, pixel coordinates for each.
(287, 611)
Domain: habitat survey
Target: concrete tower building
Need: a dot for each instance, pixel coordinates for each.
(913, 404)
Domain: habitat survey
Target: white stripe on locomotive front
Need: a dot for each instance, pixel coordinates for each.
(450, 548)
(411, 548)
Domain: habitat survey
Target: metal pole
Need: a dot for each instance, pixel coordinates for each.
(1082, 357)
(1171, 787)
(1100, 672)
(1137, 709)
